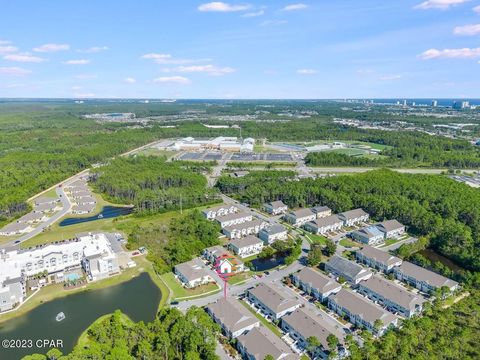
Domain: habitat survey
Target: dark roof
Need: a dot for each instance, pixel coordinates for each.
(353, 214)
(346, 267)
(390, 225)
(363, 307)
(380, 256)
(425, 275)
(326, 221)
(260, 342)
(233, 315)
(317, 280)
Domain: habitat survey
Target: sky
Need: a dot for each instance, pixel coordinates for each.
(240, 49)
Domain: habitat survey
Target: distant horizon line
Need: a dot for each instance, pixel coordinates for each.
(239, 99)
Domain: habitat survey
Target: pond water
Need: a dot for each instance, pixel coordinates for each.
(138, 298)
(107, 212)
(434, 256)
(267, 264)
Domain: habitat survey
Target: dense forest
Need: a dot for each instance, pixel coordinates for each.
(171, 336)
(44, 143)
(153, 184)
(443, 333)
(184, 238)
(445, 211)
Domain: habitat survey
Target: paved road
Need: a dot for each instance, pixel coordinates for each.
(236, 290)
(54, 218)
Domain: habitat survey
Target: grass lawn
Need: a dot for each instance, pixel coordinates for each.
(178, 291)
(156, 152)
(123, 224)
(389, 242)
(264, 321)
(239, 278)
(348, 243)
(317, 239)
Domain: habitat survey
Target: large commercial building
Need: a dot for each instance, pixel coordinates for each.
(218, 143)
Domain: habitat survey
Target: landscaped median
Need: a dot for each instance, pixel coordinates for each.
(178, 292)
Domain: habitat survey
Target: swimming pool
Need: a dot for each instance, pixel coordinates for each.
(72, 277)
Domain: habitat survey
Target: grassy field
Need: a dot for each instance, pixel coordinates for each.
(264, 321)
(178, 291)
(348, 243)
(157, 152)
(316, 239)
(239, 278)
(389, 242)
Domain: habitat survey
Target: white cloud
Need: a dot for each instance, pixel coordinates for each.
(172, 80)
(77, 88)
(76, 62)
(294, 7)
(463, 53)
(365, 71)
(439, 4)
(273, 22)
(5, 49)
(477, 9)
(390, 77)
(52, 48)
(25, 58)
(254, 14)
(5, 42)
(86, 76)
(14, 71)
(469, 30)
(84, 95)
(218, 6)
(208, 69)
(94, 49)
(130, 80)
(306, 71)
(165, 59)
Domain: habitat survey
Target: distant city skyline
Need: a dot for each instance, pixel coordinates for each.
(240, 49)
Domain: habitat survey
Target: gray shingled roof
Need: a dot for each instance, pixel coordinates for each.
(327, 221)
(345, 267)
(307, 323)
(301, 213)
(274, 229)
(425, 275)
(380, 256)
(233, 315)
(320, 209)
(274, 298)
(277, 204)
(232, 216)
(246, 224)
(367, 310)
(353, 214)
(317, 280)
(390, 225)
(192, 270)
(392, 291)
(246, 241)
(261, 342)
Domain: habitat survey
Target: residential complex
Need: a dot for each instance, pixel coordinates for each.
(361, 312)
(350, 271)
(423, 279)
(377, 259)
(275, 207)
(315, 283)
(272, 300)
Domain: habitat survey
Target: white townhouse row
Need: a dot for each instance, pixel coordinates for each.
(234, 219)
(315, 283)
(377, 234)
(220, 210)
(361, 311)
(272, 233)
(272, 300)
(247, 228)
(193, 273)
(247, 246)
(414, 275)
(275, 207)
